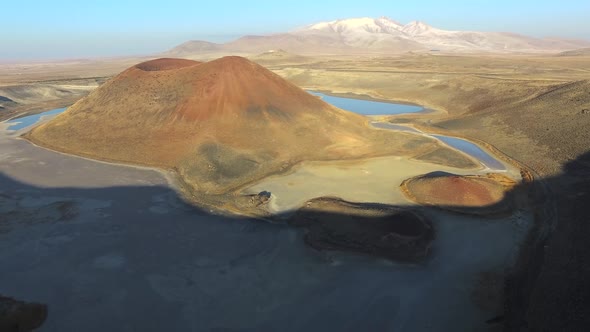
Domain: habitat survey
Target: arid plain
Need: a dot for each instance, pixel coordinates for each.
(530, 111)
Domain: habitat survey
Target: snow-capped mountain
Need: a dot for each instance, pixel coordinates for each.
(365, 31)
(417, 28)
(385, 36)
(355, 25)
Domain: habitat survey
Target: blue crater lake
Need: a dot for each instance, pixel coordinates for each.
(367, 107)
(473, 150)
(25, 121)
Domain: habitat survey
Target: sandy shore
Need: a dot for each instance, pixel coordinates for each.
(373, 180)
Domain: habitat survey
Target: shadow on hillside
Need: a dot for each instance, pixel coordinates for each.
(548, 289)
(548, 285)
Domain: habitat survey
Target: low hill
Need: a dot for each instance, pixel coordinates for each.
(192, 47)
(578, 52)
(472, 194)
(279, 55)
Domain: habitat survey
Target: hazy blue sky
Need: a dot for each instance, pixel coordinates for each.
(37, 29)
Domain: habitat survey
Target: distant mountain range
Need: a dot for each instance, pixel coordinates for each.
(578, 52)
(382, 35)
